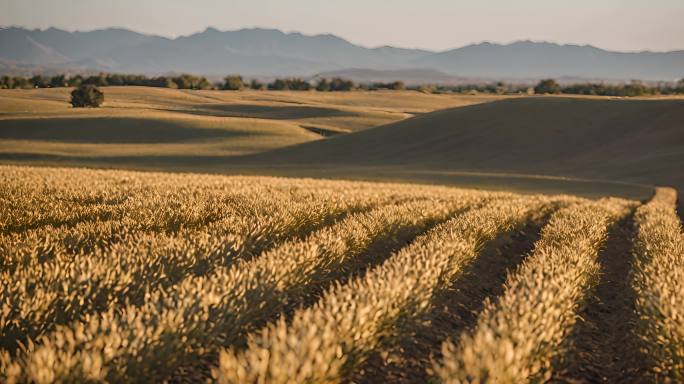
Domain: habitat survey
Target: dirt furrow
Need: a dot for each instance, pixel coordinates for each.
(680, 206)
(602, 346)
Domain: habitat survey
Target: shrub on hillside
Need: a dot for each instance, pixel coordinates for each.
(87, 95)
(39, 81)
(256, 84)
(233, 83)
(338, 84)
(97, 80)
(58, 81)
(323, 85)
(294, 84)
(395, 85)
(186, 81)
(547, 86)
(334, 85)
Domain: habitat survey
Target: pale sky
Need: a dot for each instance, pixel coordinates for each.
(626, 25)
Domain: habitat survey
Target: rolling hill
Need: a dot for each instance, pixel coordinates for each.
(270, 52)
(141, 126)
(587, 146)
(635, 141)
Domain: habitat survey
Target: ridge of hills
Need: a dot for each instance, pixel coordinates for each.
(270, 52)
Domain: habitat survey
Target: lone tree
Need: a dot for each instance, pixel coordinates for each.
(87, 95)
(547, 86)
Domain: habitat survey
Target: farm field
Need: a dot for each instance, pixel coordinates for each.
(144, 123)
(123, 276)
(302, 192)
(589, 146)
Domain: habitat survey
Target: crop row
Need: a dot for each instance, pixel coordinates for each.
(658, 280)
(66, 287)
(517, 336)
(181, 326)
(326, 342)
(35, 197)
(126, 276)
(57, 273)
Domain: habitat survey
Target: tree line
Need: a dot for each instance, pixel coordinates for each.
(236, 83)
(186, 81)
(106, 79)
(336, 84)
(634, 88)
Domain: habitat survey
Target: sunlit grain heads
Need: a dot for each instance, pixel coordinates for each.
(327, 342)
(176, 267)
(122, 276)
(517, 336)
(658, 281)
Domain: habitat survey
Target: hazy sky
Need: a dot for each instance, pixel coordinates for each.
(433, 24)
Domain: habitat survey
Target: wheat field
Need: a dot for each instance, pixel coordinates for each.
(122, 276)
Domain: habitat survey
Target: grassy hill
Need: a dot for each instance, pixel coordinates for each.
(587, 146)
(143, 123)
(635, 141)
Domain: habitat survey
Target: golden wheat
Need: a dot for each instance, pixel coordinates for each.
(117, 276)
(55, 275)
(69, 286)
(174, 327)
(516, 337)
(658, 280)
(326, 342)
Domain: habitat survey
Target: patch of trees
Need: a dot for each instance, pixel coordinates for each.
(547, 86)
(550, 86)
(395, 86)
(102, 80)
(237, 83)
(290, 84)
(233, 83)
(634, 88)
(498, 88)
(335, 85)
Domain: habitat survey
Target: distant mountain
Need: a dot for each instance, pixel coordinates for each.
(269, 52)
(527, 59)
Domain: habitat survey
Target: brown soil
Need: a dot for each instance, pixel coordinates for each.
(680, 206)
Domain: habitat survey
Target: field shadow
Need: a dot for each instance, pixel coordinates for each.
(235, 164)
(325, 132)
(680, 205)
(103, 130)
(274, 112)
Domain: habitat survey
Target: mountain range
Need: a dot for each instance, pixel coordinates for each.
(268, 52)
